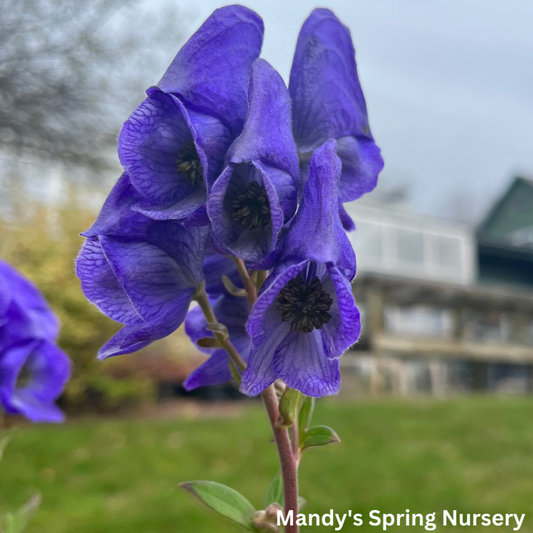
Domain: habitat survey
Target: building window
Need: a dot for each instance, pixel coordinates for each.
(410, 246)
(448, 252)
(419, 321)
(492, 326)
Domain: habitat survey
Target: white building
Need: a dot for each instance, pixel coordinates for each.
(391, 240)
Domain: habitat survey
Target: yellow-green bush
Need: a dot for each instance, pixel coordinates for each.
(43, 243)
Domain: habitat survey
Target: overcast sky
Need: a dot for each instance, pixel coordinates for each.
(448, 83)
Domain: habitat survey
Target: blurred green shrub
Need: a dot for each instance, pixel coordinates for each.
(43, 242)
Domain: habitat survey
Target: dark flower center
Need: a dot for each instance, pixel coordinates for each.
(250, 206)
(305, 303)
(189, 163)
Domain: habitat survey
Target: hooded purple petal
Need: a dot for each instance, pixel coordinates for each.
(153, 281)
(361, 164)
(116, 216)
(344, 327)
(140, 285)
(138, 334)
(158, 149)
(328, 102)
(267, 135)
(256, 193)
(138, 271)
(211, 72)
(301, 363)
(100, 284)
(318, 216)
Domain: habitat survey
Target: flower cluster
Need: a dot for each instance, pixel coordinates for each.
(222, 161)
(33, 370)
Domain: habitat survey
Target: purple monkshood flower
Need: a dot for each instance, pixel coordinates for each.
(305, 317)
(328, 102)
(232, 312)
(174, 144)
(33, 370)
(257, 191)
(140, 272)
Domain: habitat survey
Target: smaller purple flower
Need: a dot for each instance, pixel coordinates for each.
(328, 102)
(140, 272)
(305, 317)
(232, 312)
(33, 370)
(257, 191)
(174, 144)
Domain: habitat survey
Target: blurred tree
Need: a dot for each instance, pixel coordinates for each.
(71, 72)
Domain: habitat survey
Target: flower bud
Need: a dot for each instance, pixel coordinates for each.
(266, 520)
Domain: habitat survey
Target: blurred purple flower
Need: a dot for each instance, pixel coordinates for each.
(328, 102)
(256, 192)
(140, 272)
(174, 144)
(232, 312)
(33, 370)
(305, 316)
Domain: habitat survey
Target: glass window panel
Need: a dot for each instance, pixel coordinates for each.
(448, 252)
(419, 321)
(490, 326)
(410, 246)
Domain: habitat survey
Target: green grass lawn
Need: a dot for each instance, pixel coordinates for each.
(471, 454)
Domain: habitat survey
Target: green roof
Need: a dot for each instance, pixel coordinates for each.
(510, 222)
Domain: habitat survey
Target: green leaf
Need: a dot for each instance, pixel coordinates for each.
(318, 436)
(304, 418)
(302, 502)
(16, 522)
(274, 492)
(289, 407)
(224, 501)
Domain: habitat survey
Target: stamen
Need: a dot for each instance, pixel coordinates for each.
(250, 206)
(307, 304)
(189, 163)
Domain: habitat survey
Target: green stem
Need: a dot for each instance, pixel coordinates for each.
(261, 277)
(249, 285)
(203, 301)
(289, 469)
(288, 461)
